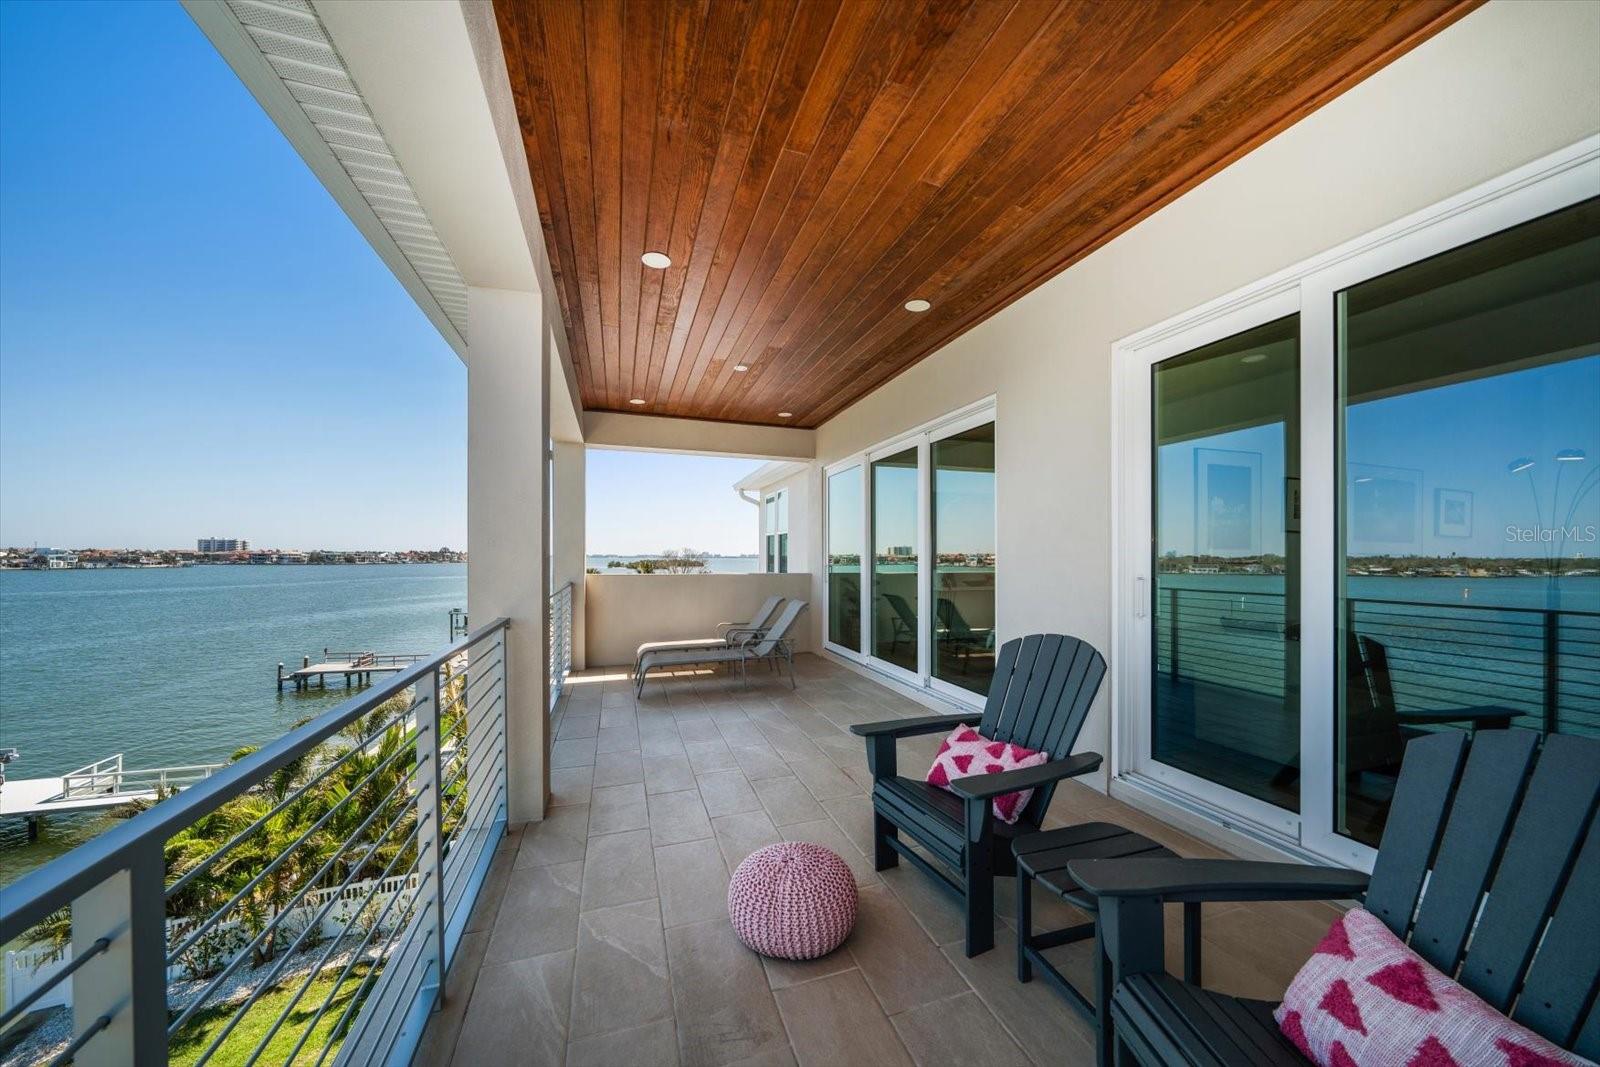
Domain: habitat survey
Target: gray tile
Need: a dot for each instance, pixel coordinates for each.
(676, 817)
(724, 1009)
(614, 808)
(621, 976)
(957, 1032)
(575, 753)
(519, 1005)
(710, 756)
(854, 816)
(901, 963)
(617, 768)
(570, 785)
(936, 911)
(739, 835)
(835, 1021)
(761, 761)
(487, 906)
(617, 715)
(1033, 1013)
(787, 801)
(826, 832)
(558, 838)
(539, 914)
(660, 745)
(698, 728)
(823, 779)
(577, 726)
(784, 973)
(667, 774)
(726, 793)
(740, 732)
(651, 1045)
(618, 739)
(620, 869)
(693, 881)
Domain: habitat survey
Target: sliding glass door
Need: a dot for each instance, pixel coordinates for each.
(920, 604)
(895, 550)
(1360, 504)
(1225, 617)
(1469, 456)
(963, 558)
(844, 558)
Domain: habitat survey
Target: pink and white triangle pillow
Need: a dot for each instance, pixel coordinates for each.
(1364, 999)
(966, 752)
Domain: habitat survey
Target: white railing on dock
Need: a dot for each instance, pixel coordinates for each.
(109, 776)
(311, 894)
(560, 640)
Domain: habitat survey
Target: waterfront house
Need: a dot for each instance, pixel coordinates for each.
(1169, 326)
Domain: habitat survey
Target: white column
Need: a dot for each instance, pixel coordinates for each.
(508, 417)
(570, 535)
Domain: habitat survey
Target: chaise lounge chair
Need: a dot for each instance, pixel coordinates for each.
(772, 644)
(730, 633)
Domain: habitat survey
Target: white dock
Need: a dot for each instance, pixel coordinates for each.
(357, 668)
(97, 786)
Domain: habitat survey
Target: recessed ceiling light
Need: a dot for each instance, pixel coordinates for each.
(785, 414)
(740, 368)
(918, 305)
(636, 401)
(657, 260)
(1254, 357)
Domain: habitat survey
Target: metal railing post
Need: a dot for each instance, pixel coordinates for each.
(430, 819)
(1552, 671)
(119, 998)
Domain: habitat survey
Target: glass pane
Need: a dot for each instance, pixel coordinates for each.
(783, 553)
(783, 512)
(963, 554)
(894, 559)
(1469, 404)
(1225, 698)
(844, 559)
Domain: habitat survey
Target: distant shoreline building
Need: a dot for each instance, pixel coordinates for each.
(221, 544)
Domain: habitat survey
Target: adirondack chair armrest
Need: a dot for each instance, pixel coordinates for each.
(987, 786)
(1196, 880)
(882, 759)
(927, 724)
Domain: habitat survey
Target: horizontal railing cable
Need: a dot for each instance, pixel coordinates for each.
(15, 1011)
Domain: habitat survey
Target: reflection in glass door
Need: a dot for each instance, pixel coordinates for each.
(1469, 500)
(844, 559)
(1224, 617)
(894, 559)
(963, 558)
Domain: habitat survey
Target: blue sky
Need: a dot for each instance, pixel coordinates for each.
(192, 333)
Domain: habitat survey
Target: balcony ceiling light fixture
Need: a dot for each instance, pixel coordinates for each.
(636, 402)
(740, 368)
(1254, 357)
(785, 414)
(656, 260)
(918, 305)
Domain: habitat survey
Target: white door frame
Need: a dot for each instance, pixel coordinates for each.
(1559, 180)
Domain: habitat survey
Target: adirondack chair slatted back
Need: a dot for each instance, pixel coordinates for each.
(779, 628)
(1042, 688)
(1490, 866)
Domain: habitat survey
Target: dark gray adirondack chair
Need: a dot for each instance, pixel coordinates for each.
(1042, 688)
(1495, 822)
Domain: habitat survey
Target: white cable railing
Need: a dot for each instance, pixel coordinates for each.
(560, 640)
(299, 905)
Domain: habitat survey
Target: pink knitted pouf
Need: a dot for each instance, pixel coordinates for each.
(793, 900)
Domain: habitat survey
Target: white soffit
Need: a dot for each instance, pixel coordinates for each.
(282, 52)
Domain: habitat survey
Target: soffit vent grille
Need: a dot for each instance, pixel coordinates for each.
(291, 39)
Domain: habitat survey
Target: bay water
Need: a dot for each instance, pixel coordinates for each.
(178, 666)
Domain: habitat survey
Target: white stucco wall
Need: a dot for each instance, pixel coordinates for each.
(626, 610)
(1511, 82)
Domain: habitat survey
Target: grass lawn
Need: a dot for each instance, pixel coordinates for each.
(198, 1033)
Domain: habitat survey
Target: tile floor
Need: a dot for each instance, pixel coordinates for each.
(601, 935)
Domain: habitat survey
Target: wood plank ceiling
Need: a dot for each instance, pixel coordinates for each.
(809, 166)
